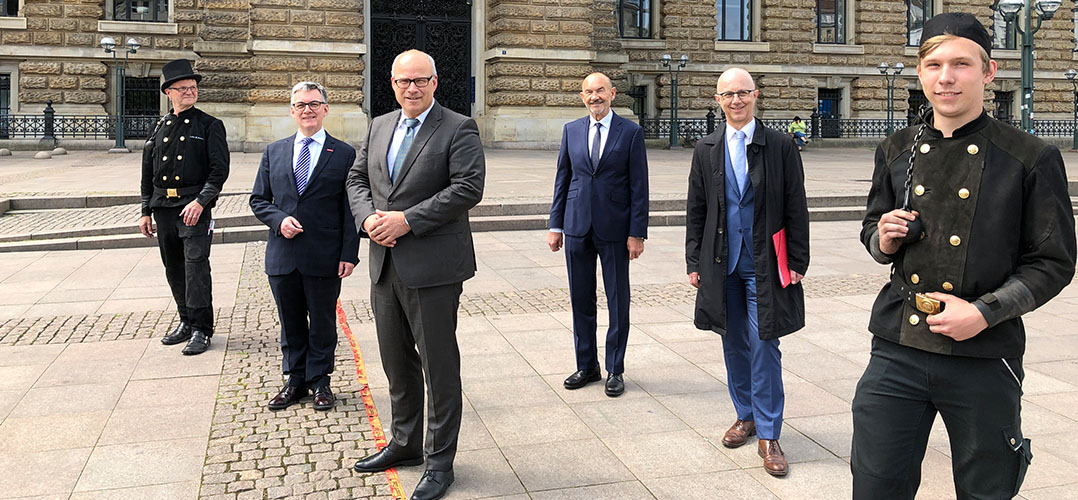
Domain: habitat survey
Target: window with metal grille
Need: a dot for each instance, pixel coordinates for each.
(734, 20)
(5, 94)
(831, 21)
(917, 12)
(140, 10)
(634, 18)
(9, 8)
(1004, 102)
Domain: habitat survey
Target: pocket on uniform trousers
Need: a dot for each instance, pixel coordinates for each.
(1012, 436)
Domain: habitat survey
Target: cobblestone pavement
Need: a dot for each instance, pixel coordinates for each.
(296, 453)
(37, 221)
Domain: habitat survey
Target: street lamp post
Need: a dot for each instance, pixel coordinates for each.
(1071, 74)
(890, 79)
(1045, 10)
(675, 73)
(132, 46)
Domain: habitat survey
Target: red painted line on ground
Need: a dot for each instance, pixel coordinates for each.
(368, 402)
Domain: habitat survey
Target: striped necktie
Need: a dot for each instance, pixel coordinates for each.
(303, 165)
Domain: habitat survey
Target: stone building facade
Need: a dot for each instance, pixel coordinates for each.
(518, 63)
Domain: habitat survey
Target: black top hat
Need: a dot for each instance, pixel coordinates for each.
(177, 70)
(960, 24)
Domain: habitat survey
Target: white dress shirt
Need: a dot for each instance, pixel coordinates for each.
(400, 132)
(315, 147)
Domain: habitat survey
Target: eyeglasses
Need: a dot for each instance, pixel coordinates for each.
(743, 94)
(184, 90)
(404, 83)
(314, 105)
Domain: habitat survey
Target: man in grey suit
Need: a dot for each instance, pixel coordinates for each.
(416, 176)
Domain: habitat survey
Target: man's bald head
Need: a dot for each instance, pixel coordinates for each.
(597, 92)
(736, 94)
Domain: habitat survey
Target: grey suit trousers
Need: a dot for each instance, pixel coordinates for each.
(423, 318)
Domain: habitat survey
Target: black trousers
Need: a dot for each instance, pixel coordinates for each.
(185, 252)
(307, 307)
(896, 402)
(417, 341)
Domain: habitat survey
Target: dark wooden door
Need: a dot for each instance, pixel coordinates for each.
(441, 28)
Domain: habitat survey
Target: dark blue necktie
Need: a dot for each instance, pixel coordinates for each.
(596, 145)
(303, 165)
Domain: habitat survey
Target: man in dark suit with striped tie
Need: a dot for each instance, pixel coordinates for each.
(300, 194)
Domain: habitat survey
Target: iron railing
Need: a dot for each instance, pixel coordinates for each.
(52, 126)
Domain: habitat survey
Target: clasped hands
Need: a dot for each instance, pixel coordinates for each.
(385, 227)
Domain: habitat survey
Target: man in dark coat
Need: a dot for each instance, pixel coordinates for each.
(300, 194)
(184, 166)
(986, 236)
(747, 248)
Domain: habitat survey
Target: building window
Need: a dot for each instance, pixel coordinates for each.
(9, 8)
(917, 12)
(140, 10)
(1003, 33)
(831, 21)
(5, 94)
(634, 18)
(1004, 104)
(916, 101)
(734, 20)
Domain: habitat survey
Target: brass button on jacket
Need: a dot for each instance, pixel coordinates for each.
(915, 279)
(914, 319)
(919, 190)
(955, 240)
(963, 193)
(973, 149)
(925, 148)
(947, 286)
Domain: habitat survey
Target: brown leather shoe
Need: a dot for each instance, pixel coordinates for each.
(323, 398)
(288, 396)
(774, 459)
(739, 433)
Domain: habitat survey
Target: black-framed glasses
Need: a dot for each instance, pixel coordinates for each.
(313, 105)
(404, 83)
(184, 90)
(743, 94)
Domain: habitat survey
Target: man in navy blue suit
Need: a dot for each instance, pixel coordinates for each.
(300, 194)
(600, 209)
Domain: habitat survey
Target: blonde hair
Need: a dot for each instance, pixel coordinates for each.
(933, 43)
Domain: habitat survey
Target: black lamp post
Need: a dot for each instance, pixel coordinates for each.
(675, 72)
(1071, 74)
(1045, 10)
(890, 79)
(132, 46)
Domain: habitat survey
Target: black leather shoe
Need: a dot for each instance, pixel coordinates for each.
(181, 334)
(200, 341)
(433, 485)
(582, 378)
(384, 459)
(614, 385)
(288, 396)
(323, 398)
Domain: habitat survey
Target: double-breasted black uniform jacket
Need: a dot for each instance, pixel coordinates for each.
(998, 232)
(778, 181)
(185, 159)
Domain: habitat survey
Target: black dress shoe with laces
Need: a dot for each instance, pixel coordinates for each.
(614, 385)
(433, 485)
(582, 378)
(200, 341)
(323, 398)
(181, 333)
(288, 396)
(384, 459)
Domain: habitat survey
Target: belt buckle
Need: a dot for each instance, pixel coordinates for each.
(927, 304)
(171, 193)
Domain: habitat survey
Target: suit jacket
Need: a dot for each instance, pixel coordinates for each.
(440, 180)
(329, 232)
(612, 197)
(778, 183)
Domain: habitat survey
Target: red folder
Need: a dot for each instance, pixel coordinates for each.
(779, 239)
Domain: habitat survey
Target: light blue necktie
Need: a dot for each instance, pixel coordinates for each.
(303, 165)
(403, 151)
(737, 158)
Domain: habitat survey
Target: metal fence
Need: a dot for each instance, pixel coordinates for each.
(49, 125)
